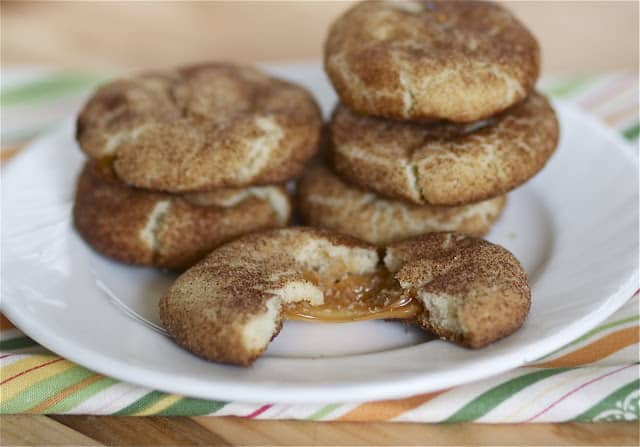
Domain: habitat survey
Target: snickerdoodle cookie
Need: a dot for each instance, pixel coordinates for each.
(200, 128)
(444, 163)
(326, 201)
(473, 292)
(412, 60)
(229, 306)
(166, 230)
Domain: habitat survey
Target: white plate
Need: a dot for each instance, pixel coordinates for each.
(574, 227)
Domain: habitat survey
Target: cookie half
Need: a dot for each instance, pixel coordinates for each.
(456, 60)
(170, 231)
(200, 128)
(473, 292)
(326, 201)
(229, 306)
(444, 163)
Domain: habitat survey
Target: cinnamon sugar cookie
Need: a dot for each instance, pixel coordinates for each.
(202, 127)
(473, 292)
(444, 163)
(170, 231)
(455, 60)
(229, 306)
(326, 201)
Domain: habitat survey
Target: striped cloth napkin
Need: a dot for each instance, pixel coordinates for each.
(593, 378)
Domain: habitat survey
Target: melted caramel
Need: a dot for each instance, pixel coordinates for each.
(103, 168)
(374, 296)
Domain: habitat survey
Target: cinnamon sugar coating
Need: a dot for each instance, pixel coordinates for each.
(474, 292)
(444, 163)
(201, 127)
(229, 306)
(169, 231)
(209, 309)
(327, 201)
(456, 60)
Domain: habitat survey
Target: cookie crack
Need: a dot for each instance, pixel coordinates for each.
(260, 148)
(181, 106)
(274, 197)
(276, 201)
(408, 95)
(415, 181)
(150, 233)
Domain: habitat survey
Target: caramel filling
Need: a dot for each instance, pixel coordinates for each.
(373, 296)
(103, 168)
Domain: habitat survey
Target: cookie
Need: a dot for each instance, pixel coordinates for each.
(473, 292)
(444, 163)
(326, 201)
(200, 128)
(228, 307)
(455, 60)
(143, 227)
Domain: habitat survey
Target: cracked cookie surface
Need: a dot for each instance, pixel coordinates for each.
(456, 60)
(166, 230)
(326, 201)
(200, 128)
(444, 163)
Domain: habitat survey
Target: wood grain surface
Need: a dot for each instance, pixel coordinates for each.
(161, 431)
(576, 37)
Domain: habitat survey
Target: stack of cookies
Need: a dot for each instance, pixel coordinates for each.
(185, 160)
(438, 119)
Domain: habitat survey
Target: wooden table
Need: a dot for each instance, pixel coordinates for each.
(112, 430)
(576, 37)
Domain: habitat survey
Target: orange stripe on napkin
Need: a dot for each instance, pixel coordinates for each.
(8, 152)
(24, 366)
(5, 324)
(387, 409)
(622, 115)
(23, 380)
(597, 350)
(58, 397)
